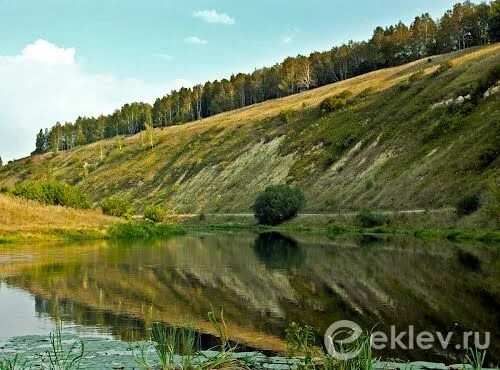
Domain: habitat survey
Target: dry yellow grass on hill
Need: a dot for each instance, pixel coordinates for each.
(28, 220)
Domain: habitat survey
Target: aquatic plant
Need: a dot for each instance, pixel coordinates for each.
(14, 364)
(475, 358)
(301, 341)
(218, 323)
(173, 340)
(60, 358)
(141, 356)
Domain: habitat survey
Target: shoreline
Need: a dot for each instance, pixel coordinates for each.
(487, 237)
(136, 230)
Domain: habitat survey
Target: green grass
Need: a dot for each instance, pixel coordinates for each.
(144, 230)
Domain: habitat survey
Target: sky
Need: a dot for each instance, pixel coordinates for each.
(63, 58)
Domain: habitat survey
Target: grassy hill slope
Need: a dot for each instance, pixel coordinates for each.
(391, 148)
(28, 220)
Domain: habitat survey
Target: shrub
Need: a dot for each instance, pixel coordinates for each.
(285, 116)
(332, 104)
(114, 206)
(4, 189)
(366, 92)
(345, 94)
(277, 203)
(371, 219)
(487, 156)
(493, 207)
(403, 86)
(340, 147)
(489, 79)
(144, 230)
(154, 213)
(443, 67)
(415, 76)
(52, 193)
(467, 205)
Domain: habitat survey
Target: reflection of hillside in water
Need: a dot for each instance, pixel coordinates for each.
(264, 282)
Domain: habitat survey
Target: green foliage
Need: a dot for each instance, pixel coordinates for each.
(219, 324)
(370, 219)
(487, 156)
(493, 207)
(340, 147)
(170, 341)
(115, 206)
(442, 126)
(52, 193)
(61, 358)
(4, 189)
(467, 205)
(154, 213)
(285, 116)
(443, 67)
(489, 79)
(300, 340)
(144, 230)
(366, 92)
(332, 104)
(415, 76)
(345, 94)
(14, 363)
(277, 204)
(475, 358)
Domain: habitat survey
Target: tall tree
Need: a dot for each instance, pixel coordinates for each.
(466, 24)
(41, 143)
(494, 21)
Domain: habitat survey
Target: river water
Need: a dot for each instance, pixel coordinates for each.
(263, 282)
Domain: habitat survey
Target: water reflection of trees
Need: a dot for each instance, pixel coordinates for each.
(266, 281)
(278, 251)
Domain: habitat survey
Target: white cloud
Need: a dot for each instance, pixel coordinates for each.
(44, 52)
(164, 56)
(195, 40)
(46, 83)
(212, 16)
(287, 40)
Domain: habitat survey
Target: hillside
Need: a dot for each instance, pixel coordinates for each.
(392, 147)
(27, 220)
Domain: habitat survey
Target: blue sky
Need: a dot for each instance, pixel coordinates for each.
(121, 50)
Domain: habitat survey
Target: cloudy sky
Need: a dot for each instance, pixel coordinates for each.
(60, 58)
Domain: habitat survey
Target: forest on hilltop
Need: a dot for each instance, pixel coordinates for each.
(466, 25)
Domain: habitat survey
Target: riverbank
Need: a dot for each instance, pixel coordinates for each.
(25, 220)
(28, 221)
(102, 354)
